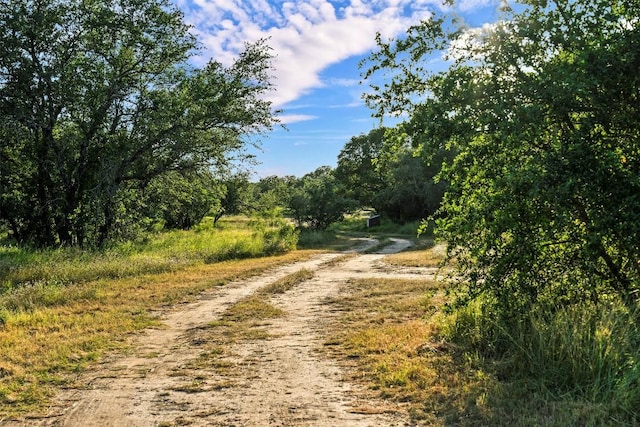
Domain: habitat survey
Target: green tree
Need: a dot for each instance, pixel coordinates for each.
(273, 193)
(358, 170)
(541, 110)
(236, 197)
(97, 99)
(317, 200)
(183, 200)
(409, 192)
(383, 173)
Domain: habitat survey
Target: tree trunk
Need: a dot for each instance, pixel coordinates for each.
(43, 228)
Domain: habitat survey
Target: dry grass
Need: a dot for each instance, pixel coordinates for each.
(252, 309)
(287, 283)
(42, 347)
(422, 254)
(388, 336)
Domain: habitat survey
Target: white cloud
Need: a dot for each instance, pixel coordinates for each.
(307, 36)
(468, 45)
(354, 104)
(341, 82)
(286, 119)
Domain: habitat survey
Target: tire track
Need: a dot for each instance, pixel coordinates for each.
(283, 380)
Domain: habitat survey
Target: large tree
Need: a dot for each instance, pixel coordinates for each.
(357, 167)
(97, 99)
(541, 110)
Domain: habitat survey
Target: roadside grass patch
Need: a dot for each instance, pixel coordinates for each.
(387, 337)
(287, 283)
(400, 340)
(580, 363)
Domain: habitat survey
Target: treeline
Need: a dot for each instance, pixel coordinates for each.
(395, 184)
(369, 175)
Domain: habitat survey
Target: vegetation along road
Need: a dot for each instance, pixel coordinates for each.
(206, 365)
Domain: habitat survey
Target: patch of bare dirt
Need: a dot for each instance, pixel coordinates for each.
(283, 380)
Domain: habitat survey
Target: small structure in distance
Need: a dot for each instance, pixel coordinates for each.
(373, 221)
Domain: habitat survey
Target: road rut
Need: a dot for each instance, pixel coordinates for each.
(284, 380)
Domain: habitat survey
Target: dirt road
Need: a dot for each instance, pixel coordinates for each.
(280, 381)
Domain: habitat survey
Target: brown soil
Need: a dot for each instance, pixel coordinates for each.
(281, 380)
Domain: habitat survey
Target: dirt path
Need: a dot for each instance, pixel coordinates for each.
(280, 381)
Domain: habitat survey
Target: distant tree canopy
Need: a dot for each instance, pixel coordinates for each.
(357, 169)
(318, 199)
(98, 102)
(273, 193)
(541, 112)
(379, 174)
(182, 200)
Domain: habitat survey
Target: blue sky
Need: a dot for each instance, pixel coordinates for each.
(317, 44)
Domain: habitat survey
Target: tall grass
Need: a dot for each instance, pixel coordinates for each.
(162, 252)
(587, 353)
(592, 351)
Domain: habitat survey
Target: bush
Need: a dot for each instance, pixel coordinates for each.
(280, 240)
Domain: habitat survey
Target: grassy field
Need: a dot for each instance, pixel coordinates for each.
(61, 310)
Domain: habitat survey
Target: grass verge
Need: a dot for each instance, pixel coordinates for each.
(233, 238)
(395, 338)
